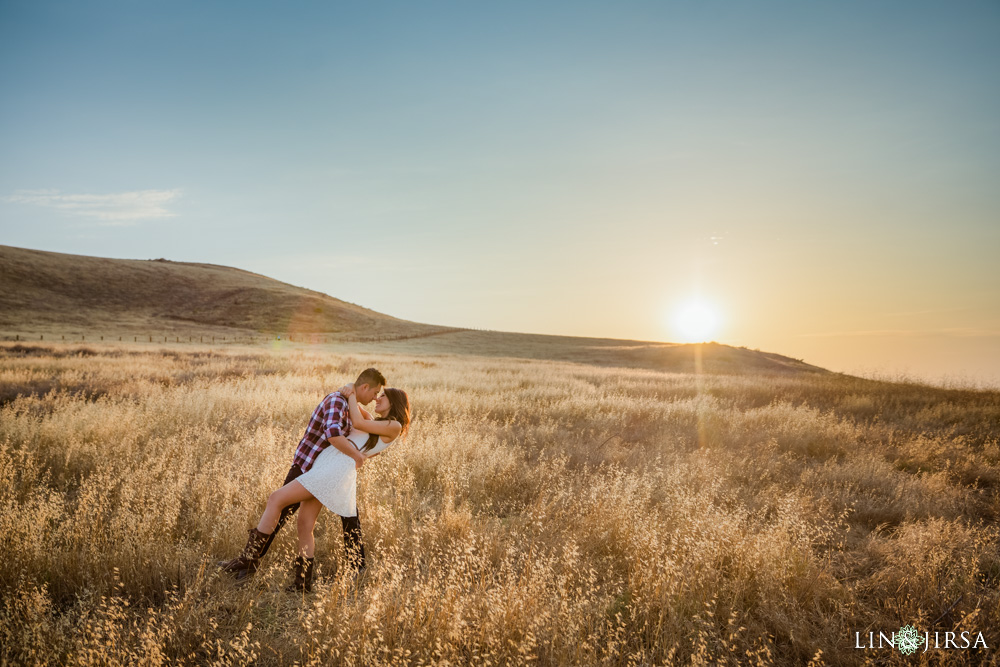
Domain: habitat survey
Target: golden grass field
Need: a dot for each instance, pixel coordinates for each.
(540, 512)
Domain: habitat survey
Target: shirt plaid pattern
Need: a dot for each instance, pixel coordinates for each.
(331, 418)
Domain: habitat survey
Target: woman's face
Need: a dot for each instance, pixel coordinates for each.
(382, 404)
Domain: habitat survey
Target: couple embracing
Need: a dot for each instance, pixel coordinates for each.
(340, 437)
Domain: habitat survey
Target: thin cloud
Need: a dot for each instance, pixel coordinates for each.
(120, 208)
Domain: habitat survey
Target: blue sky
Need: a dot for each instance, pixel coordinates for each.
(823, 174)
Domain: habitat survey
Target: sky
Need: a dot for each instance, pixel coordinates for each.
(822, 176)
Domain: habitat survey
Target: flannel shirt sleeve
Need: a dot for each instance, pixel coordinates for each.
(335, 419)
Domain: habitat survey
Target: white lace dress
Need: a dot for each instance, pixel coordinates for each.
(333, 477)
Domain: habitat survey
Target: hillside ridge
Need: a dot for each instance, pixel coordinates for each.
(78, 295)
(49, 291)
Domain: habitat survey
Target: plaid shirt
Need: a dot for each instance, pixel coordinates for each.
(331, 418)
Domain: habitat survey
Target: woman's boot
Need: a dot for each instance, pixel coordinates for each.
(249, 559)
(303, 575)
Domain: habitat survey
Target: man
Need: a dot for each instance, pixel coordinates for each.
(329, 426)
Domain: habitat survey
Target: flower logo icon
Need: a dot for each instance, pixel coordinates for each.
(907, 639)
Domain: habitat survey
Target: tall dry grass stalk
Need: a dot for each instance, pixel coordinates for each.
(538, 513)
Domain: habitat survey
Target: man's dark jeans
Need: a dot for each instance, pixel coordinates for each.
(351, 525)
(293, 472)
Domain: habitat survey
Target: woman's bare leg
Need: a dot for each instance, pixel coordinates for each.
(289, 494)
(308, 513)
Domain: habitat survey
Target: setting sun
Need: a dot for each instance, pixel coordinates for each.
(695, 321)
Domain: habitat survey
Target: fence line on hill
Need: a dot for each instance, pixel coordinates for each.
(309, 338)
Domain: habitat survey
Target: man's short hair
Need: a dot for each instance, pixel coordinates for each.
(370, 377)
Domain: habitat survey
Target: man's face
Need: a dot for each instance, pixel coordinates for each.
(366, 393)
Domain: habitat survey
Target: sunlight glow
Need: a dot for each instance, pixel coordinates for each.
(696, 321)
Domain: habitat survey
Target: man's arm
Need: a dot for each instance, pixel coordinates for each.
(345, 446)
(335, 422)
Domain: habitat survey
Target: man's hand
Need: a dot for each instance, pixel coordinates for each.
(345, 446)
(347, 390)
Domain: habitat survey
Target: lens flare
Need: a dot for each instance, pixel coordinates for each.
(696, 321)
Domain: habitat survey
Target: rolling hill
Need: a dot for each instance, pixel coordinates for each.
(54, 293)
(49, 291)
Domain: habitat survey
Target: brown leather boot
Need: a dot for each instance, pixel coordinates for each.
(303, 576)
(249, 559)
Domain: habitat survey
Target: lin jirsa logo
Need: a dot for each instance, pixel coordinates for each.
(908, 640)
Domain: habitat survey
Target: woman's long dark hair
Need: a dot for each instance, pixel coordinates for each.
(399, 410)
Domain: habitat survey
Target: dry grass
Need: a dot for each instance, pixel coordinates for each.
(540, 512)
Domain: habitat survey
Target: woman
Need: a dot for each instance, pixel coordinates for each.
(332, 481)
